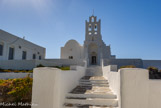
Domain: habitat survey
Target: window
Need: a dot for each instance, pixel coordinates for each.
(34, 56)
(89, 27)
(95, 27)
(1, 49)
(19, 47)
(11, 53)
(70, 57)
(92, 19)
(39, 57)
(24, 54)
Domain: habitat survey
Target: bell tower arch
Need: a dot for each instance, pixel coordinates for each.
(94, 48)
(93, 41)
(93, 29)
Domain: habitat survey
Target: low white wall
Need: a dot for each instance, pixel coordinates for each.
(133, 87)
(17, 64)
(50, 85)
(154, 63)
(65, 62)
(30, 64)
(12, 75)
(137, 91)
(110, 72)
(123, 62)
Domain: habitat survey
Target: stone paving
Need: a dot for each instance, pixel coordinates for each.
(92, 92)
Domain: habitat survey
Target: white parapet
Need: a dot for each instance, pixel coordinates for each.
(138, 91)
(133, 87)
(50, 85)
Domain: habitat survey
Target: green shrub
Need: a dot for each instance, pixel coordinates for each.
(40, 65)
(1, 81)
(16, 89)
(11, 70)
(154, 69)
(57, 67)
(128, 66)
(64, 68)
(154, 73)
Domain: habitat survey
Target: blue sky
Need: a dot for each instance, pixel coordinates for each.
(131, 27)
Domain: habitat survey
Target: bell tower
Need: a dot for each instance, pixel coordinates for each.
(95, 50)
(93, 29)
(93, 41)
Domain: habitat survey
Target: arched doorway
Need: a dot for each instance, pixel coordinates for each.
(93, 58)
(93, 54)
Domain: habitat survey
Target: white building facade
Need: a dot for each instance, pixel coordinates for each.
(93, 50)
(99, 83)
(96, 52)
(18, 53)
(15, 48)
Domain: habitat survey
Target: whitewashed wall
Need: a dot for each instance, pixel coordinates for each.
(123, 62)
(30, 64)
(135, 88)
(61, 62)
(72, 48)
(50, 86)
(10, 40)
(12, 75)
(17, 64)
(110, 73)
(138, 91)
(154, 63)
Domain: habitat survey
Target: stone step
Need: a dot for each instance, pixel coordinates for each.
(93, 74)
(100, 107)
(91, 85)
(90, 90)
(93, 78)
(92, 102)
(86, 107)
(70, 107)
(92, 95)
(92, 82)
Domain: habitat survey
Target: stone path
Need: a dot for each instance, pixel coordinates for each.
(92, 92)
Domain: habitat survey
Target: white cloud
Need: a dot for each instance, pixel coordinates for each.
(38, 5)
(42, 8)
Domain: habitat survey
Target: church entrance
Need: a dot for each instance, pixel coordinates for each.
(93, 54)
(94, 62)
(93, 58)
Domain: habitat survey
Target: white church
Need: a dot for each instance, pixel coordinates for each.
(95, 79)
(93, 50)
(18, 53)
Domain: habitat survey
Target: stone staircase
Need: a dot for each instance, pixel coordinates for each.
(92, 92)
(94, 71)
